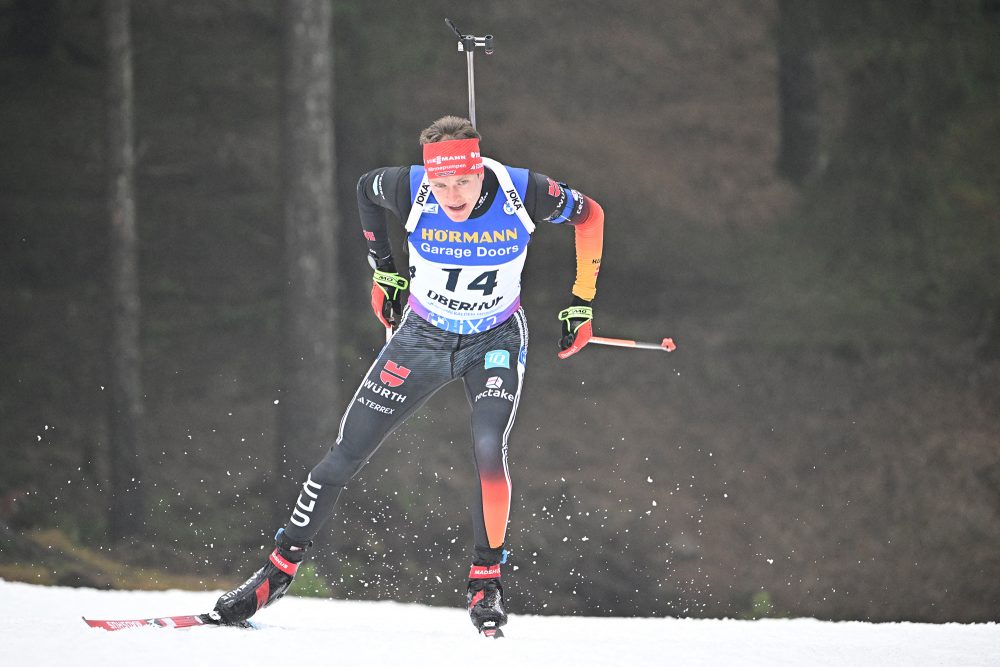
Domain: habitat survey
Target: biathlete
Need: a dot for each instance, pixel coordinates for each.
(468, 221)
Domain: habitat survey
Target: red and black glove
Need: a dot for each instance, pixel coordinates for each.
(387, 297)
(576, 327)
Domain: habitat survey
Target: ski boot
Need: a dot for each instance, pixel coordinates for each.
(267, 584)
(485, 595)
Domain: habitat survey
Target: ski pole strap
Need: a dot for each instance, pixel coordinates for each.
(390, 281)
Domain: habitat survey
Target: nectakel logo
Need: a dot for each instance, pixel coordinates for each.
(494, 393)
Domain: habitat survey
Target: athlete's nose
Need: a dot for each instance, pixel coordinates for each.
(451, 197)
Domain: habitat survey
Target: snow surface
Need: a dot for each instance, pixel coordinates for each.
(41, 625)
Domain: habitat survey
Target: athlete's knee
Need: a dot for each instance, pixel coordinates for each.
(339, 465)
(489, 447)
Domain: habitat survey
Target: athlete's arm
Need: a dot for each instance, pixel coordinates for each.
(547, 200)
(378, 190)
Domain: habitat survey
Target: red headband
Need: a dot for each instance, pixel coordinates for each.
(452, 158)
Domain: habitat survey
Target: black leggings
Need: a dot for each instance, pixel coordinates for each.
(418, 360)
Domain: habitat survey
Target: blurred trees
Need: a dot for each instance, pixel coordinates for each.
(34, 29)
(128, 507)
(806, 420)
(911, 186)
(798, 90)
(307, 412)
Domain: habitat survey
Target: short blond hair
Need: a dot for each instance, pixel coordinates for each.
(447, 128)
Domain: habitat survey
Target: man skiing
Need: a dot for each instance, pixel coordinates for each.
(468, 221)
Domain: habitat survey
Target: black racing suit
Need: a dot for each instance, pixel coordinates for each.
(420, 359)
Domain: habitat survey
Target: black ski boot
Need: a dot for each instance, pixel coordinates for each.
(267, 584)
(486, 600)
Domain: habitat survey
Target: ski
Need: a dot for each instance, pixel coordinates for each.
(190, 621)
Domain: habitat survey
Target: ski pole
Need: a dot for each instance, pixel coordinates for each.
(468, 44)
(667, 345)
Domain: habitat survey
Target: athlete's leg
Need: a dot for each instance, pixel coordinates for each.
(405, 374)
(493, 386)
(409, 369)
(493, 372)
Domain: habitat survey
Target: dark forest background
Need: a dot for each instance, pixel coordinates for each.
(804, 195)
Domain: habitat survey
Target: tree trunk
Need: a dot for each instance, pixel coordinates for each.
(798, 91)
(308, 413)
(127, 499)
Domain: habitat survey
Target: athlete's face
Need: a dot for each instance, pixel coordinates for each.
(457, 195)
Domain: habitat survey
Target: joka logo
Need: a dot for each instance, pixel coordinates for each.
(393, 374)
(422, 193)
(497, 359)
(494, 382)
(513, 199)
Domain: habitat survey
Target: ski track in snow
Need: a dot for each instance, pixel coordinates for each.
(41, 626)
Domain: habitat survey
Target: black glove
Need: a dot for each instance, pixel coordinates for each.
(576, 327)
(387, 293)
